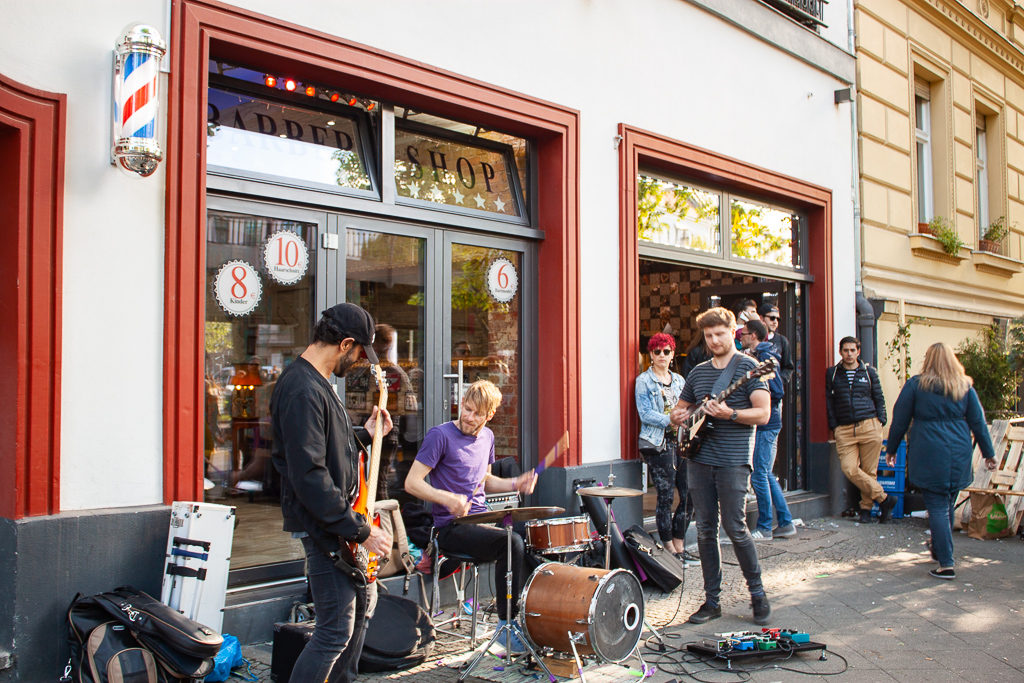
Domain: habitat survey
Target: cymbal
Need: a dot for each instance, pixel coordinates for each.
(609, 492)
(515, 514)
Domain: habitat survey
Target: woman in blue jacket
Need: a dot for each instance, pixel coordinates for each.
(942, 411)
(657, 392)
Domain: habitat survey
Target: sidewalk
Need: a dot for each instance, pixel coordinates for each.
(863, 590)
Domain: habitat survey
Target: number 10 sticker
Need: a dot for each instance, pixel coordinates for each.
(502, 280)
(238, 288)
(286, 257)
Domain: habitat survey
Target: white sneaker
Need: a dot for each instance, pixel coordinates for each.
(759, 535)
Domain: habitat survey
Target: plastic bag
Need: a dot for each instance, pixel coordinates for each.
(988, 517)
(229, 656)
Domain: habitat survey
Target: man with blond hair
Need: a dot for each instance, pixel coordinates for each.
(458, 456)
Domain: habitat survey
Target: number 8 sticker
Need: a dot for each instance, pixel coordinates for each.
(286, 257)
(238, 288)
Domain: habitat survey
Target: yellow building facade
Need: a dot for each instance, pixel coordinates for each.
(940, 112)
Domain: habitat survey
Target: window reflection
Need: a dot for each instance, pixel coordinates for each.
(678, 215)
(762, 233)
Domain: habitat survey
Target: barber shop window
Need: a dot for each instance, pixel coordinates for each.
(678, 219)
(270, 126)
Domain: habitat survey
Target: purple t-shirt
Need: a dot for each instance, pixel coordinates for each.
(458, 463)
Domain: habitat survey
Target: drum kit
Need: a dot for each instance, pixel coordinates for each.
(565, 609)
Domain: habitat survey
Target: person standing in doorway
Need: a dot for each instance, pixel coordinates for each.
(719, 472)
(762, 479)
(856, 414)
(770, 317)
(657, 392)
(316, 452)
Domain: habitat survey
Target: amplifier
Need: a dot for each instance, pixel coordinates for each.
(502, 501)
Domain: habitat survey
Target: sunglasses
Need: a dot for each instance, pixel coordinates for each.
(667, 351)
(772, 317)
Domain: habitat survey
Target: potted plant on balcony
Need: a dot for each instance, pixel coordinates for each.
(946, 234)
(993, 236)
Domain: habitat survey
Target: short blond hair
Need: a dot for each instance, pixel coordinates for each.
(484, 396)
(713, 317)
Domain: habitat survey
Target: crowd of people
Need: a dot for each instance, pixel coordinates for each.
(709, 433)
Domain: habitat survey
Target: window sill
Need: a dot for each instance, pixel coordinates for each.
(929, 247)
(996, 264)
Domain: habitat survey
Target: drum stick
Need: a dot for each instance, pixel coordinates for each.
(561, 446)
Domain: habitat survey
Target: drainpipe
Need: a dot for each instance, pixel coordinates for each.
(865, 311)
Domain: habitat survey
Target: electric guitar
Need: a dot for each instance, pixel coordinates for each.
(366, 562)
(696, 427)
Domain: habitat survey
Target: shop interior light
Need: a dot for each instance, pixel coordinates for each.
(369, 105)
(335, 97)
(137, 56)
(352, 101)
(290, 84)
(310, 90)
(270, 81)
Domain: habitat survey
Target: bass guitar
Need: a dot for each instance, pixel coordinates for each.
(364, 561)
(697, 426)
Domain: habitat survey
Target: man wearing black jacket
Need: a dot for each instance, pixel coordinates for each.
(316, 452)
(856, 413)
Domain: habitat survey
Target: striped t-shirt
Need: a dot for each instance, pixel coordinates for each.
(731, 443)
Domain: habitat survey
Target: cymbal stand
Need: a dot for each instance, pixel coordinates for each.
(510, 628)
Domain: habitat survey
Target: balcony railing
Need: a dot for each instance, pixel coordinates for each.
(810, 13)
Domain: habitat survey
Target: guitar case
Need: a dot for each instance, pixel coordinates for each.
(660, 567)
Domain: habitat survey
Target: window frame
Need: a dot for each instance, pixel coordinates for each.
(925, 186)
(723, 258)
(981, 170)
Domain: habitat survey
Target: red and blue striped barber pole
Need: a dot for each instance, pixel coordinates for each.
(136, 99)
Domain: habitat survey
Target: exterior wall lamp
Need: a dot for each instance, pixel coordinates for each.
(137, 55)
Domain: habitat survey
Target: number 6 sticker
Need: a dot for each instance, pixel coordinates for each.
(502, 280)
(238, 288)
(286, 257)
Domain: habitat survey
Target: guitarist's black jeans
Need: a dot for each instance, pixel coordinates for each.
(722, 490)
(343, 610)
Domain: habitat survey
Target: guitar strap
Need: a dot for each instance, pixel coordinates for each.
(725, 379)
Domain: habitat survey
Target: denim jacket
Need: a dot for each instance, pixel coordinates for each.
(651, 406)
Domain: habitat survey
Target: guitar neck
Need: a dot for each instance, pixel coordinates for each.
(375, 448)
(726, 393)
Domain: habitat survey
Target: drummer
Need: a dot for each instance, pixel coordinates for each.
(458, 456)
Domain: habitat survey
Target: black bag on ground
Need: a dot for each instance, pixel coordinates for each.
(126, 616)
(662, 568)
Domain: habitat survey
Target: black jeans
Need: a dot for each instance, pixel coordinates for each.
(722, 488)
(488, 543)
(669, 474)
(343, 610)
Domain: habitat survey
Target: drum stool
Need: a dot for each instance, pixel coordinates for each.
(466, 563)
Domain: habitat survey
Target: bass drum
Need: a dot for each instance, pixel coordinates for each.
(603, 608)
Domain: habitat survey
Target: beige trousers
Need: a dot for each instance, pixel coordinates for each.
(860, 446)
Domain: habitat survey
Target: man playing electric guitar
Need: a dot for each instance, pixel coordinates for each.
(719, 471)
(458, 456)
(316, 452)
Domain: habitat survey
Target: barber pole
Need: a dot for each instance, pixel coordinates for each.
(136, 99)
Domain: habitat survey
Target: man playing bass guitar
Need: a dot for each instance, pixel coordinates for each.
(316, 453)
(719, 471)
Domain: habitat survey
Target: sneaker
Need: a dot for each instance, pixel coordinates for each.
(516, 647)
(944, 574)
(885, 509)
(762, 610)
(784, 531)
(865, 516)
(705, 614)
(759, 535)
(690, 560)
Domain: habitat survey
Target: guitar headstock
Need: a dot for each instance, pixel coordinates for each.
(767, 367)
(382, 385)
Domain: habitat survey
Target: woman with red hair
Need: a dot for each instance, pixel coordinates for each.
(657, 392)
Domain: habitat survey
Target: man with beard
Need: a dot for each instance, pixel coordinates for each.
(458, 456)
(719, 472)
(316, 452)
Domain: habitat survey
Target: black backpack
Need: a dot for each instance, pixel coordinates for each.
(659, 566)
(127, 635)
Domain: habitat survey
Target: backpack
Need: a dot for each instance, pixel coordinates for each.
(656, 564)
(400, 559)
(127, 635)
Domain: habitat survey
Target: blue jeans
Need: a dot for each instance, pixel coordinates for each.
(940, 520)
(722, 488)
(766, 486)
(343, 610)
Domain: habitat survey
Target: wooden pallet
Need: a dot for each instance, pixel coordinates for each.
(1007, 479)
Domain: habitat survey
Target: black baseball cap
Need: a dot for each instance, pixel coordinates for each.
(356, 323)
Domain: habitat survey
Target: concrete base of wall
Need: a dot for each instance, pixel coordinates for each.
(45, 561)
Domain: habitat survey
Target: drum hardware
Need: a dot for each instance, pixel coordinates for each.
(511, 627)
(573, 637)
(608, 494)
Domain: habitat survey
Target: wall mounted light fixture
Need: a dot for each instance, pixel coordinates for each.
(137, 57)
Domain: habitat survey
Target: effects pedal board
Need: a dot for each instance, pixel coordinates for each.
(753, 644)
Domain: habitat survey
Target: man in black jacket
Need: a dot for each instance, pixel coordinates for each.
(316, 452)
(770, 317)
(856, 413)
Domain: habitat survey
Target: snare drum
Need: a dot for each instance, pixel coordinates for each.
(604, 609)
(564, 535)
